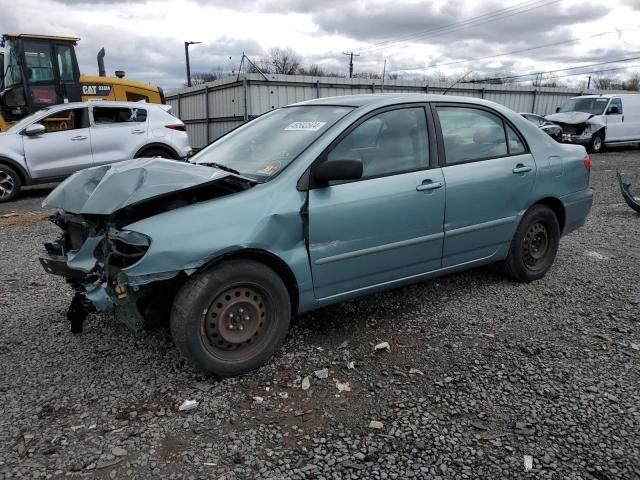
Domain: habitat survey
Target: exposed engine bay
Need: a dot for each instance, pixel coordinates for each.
(95, 249)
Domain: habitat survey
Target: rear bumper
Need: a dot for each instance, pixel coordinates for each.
(577, 207)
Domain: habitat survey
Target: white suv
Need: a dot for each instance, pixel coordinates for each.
(55, 142)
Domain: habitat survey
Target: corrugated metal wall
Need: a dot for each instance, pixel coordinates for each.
(215, 108)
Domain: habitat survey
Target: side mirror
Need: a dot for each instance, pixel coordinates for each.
(34, 129)
(613, 110)
(342, 169)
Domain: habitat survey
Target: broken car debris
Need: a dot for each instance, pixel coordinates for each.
(625, 188)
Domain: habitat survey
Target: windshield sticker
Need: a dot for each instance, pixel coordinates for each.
(269, 169)
(306, 126)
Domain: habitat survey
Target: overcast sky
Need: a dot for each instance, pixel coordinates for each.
(145, 38)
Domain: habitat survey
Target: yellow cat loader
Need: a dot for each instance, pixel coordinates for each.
(37, 71)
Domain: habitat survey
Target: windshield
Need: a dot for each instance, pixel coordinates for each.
(595, 106)
(11, 68)
(269, 143)
(27, 120)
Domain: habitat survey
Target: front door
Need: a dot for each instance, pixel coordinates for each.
(388, 225)
(615, 121)
(64, 148)
(489, 176)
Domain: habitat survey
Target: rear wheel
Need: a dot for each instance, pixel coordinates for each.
(534, 246)
(231, 319)
(10, 184)
(596, 145)
(157, 152)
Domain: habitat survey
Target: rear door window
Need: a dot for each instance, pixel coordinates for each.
(471, 134)
(103, 116)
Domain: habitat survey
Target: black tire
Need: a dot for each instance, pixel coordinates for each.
(157, 152)
(245, 293)
(534, 246)
(596, 144)
(10, 184)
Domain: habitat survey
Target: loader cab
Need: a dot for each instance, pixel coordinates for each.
(37, 71)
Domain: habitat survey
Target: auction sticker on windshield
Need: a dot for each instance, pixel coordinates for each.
(306, 126)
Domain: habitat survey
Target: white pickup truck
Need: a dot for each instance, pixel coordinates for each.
(599, 120)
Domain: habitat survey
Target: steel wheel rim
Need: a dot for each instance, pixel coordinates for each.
(6, 185)
(536, 245)
(236, 322)
(597, 143)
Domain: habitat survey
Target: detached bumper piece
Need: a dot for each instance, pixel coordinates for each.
(625, 188)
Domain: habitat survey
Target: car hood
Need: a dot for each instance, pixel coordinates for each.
(569, 117)
(106, 189)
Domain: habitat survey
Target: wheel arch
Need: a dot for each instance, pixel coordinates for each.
(272, 261)
(557, 207)
(20, 170)
(156, 146)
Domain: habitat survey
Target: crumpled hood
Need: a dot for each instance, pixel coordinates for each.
(105, 189)
(569, 117)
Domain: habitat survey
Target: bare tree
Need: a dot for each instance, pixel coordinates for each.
(313, 70)
(632, 83)
(283, 60)
(603, 83)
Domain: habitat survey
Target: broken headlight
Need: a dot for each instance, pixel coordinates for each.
(126, 247)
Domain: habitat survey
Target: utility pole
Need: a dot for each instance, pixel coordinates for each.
(589, 82)
(351, 55)
(384, 71)
(186, 56)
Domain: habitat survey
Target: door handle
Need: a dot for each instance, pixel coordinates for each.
(79, 137)
(137, 132)
(520, 168)
(428, 185)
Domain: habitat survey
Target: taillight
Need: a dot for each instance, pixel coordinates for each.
(177, 126)
(587, 163)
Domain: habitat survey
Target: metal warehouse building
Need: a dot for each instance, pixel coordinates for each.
(212, 109)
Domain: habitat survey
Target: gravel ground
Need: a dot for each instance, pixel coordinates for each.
(481, 373)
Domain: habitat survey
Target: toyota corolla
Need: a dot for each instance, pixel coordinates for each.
(309, 205)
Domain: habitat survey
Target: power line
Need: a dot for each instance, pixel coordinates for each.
(351, 55)
(470, 22)
(509, 77)
(537, 47)
(479, 17)
(637, 65)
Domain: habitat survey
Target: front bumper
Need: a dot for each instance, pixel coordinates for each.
(576, 139)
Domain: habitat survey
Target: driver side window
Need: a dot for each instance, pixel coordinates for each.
(72, 119)
(615, 107)
(388, 143)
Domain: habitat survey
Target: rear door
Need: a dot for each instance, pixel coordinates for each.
(118, 132)
(489, 175)
(387, 225)
(64, 148)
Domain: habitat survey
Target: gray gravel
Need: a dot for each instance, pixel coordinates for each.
(482, 372)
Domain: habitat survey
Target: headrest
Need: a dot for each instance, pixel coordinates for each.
(492, 134)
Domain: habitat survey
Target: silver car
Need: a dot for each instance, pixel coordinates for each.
(55, 142)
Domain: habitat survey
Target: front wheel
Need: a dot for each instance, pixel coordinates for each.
(9, 184)
(534, 246)
(231, 319)
(596, 145)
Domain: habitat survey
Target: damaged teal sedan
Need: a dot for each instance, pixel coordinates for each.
(309, 205)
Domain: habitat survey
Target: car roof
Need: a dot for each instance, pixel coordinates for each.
(383, 99)
(105, 103)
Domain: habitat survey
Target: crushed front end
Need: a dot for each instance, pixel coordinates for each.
(91, 255)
